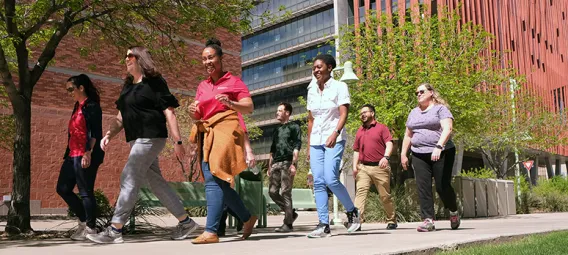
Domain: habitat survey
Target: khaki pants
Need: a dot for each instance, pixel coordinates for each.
(367, 176)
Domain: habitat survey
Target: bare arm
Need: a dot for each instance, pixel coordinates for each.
(388, 150)
(244, 106)
(406, 142)
(447, 125)
(310, 126)
(172, 123)
(355, 160)
(343, 112)
(115, 126)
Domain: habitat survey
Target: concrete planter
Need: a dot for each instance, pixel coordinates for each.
(468, 197)
(492, 198)
(480, 197)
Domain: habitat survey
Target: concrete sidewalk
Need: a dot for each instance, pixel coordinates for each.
(374, 239)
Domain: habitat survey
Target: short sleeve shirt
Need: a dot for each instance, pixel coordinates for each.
(371, 142)
(229, 85)
(426, 128)
(142, 107)
(324, 106)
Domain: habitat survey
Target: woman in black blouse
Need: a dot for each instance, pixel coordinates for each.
(145, 106)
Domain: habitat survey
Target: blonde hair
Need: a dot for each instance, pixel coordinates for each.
(435, 95)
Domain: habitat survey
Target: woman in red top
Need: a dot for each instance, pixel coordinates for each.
(83, 154)
(219, 93)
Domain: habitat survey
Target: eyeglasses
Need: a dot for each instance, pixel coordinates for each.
(420, 92)
(130, 55)
(70, 89)
(363, 113)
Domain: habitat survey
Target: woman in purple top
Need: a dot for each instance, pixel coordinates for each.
(428, 130)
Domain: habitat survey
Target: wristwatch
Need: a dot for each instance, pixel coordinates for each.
(388, 158)
(179, 142)
(338, 131)
(441, 147)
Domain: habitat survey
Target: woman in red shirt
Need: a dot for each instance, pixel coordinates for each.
(83, 154)
(220, 93)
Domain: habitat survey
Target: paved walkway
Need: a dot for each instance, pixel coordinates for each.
(374, 239)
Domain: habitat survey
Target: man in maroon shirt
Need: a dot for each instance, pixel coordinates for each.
(372, 150)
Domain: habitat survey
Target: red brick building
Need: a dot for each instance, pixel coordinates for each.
(52, 106)
(532, 35)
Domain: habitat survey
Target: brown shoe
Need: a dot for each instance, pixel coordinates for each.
(248, 226)
(206, 238)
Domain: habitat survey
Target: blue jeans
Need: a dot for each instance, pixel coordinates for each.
(218, 194)
(324, 163)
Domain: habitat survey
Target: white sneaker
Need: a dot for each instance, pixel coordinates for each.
(108, 236)
(82, 232)
(354, 221)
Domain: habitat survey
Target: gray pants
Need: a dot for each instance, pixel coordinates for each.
(280, 189)
(142, 169)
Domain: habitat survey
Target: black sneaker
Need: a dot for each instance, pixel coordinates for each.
(392, 226)
(354, 221)
(322, 230)
(285, 228)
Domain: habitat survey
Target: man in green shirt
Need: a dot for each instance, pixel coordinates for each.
(286, 143)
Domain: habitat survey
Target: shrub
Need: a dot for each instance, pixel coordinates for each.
(481, 173)
(406, 207)
(550, 195)
(104, 212)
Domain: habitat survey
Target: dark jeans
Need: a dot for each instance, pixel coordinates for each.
(441, 170)
(218, 194)
(72, 173)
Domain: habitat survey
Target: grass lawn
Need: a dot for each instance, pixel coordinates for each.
(547, 244)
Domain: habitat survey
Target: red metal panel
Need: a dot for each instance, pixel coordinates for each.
(513, 22)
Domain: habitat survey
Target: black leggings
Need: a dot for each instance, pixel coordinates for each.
(441, 170)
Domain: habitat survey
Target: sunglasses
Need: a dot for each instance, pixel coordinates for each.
(420, 92)
(130, 55)
(70, 89)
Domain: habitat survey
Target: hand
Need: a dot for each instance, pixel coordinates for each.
(436, 154)
(86, 160)
(355, 171)
(192, 150)
(292, 170)
(104, 142)
(384, 163)
(193, 110)
(224, 99)
(268, 171)
(330, 143)
(404, 161)
(180, 151)
(251, 161)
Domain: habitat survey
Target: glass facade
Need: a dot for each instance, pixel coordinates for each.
(266, 104)
(283, 69)
(279, 8)
(289, 34)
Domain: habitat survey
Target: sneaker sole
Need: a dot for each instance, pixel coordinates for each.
(324, 236)
(191, 230)
(425, 230)
(353, 229)
(79, 238)
(115, 241)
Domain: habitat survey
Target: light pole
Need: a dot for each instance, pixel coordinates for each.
(348, 77)
(513, 86)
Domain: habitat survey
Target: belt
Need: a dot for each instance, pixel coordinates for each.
(369, 163)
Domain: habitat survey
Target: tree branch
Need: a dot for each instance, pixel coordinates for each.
(94, 16)
(7, 80)
(11, 27)
(49, 50)
(30, 31)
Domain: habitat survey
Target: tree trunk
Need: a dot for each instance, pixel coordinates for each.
(19, 211)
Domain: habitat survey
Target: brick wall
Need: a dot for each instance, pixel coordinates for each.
(52, 106)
